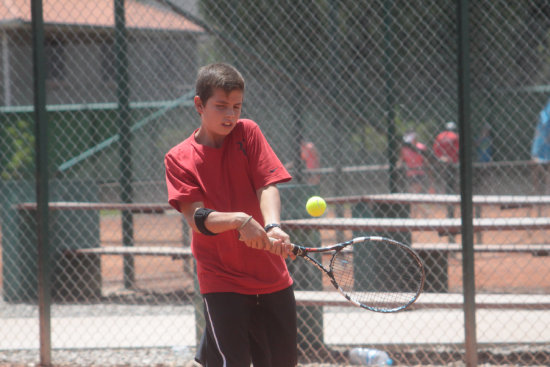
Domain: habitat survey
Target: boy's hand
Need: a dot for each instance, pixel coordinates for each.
(281, 241)
(253, 235)
(282, 248)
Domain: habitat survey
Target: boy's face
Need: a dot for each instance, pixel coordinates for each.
(221, 111)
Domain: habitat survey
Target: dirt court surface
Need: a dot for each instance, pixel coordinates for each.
(159, 273)
(495, 272)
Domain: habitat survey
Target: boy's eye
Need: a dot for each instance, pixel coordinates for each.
(224, 107)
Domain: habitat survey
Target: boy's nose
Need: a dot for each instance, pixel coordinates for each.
(230, 112)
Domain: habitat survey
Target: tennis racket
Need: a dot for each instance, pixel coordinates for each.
(375, 273)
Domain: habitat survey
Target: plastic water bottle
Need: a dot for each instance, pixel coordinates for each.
(369, 357)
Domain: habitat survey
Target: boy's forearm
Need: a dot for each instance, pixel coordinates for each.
(216, 222)
(270, 204)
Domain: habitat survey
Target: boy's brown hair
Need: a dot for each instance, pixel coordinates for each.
(219, 75)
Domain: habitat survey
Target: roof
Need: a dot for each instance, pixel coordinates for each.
(97, 13)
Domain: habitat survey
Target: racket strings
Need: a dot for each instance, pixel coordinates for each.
(379, 275)
(342, 270)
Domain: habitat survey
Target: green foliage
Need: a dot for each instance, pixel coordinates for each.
(20, 138)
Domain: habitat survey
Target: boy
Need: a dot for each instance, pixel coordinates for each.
(223, 180)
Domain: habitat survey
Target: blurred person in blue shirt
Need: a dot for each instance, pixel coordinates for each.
(484, 145)
(540, 151)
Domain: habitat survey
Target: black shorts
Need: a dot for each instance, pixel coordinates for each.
(241, 329)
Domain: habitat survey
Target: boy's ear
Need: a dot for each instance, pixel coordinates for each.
(198, 105)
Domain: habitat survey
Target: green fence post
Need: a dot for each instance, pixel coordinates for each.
(125, 133)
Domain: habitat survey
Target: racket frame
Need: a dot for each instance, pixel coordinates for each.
(304, 251)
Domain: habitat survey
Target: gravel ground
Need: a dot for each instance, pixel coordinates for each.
(151, 357)
(171, 357)
(157, 357)
(176, 356)
(518, 355)
(105, 357)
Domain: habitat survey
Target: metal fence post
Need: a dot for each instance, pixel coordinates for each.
(41, 133)
(123, 96)
(466, 183)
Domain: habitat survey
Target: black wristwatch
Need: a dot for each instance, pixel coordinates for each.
(271, 225)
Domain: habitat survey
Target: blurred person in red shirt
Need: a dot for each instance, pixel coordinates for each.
(446, 144)
(445, 149)
(413, 157)
(310, 157)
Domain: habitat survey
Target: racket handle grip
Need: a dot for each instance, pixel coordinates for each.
(298, 250)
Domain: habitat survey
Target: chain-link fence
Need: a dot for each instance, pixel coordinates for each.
(352, 96)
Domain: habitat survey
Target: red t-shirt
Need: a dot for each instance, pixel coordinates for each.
(226, 179)
(446, 145)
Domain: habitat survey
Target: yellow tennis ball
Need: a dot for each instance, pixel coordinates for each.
(316, 206)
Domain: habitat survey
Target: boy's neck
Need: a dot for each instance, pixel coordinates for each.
(204, 138)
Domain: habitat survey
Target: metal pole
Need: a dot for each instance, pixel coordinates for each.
(465, 145)
(41, 138)
(390, 100)
(6, 68)
(339, 141)
(125, 168)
